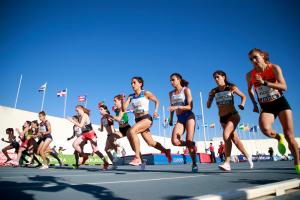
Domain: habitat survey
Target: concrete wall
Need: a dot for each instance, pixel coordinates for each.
(62, 129)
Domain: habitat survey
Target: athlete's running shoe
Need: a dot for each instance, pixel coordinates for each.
(281, 146)
(225, 167)
(15, 164)
(44, 167)
(105, 166)
(135, 162)
(194, 168)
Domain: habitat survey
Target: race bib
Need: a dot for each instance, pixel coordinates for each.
(266, 94)
(177, 100)
(223, 98)
(138, 107)
(43, 129)
(77, 131)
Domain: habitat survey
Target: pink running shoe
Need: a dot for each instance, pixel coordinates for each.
(136, 162)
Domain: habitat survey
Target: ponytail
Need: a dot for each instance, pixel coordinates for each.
(183, 82)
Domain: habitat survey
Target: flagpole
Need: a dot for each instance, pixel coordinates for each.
(20, 82)
(159, 126)
(85, 103)
(42, 107)
(65, 106)
(202, 113)
(164, 115)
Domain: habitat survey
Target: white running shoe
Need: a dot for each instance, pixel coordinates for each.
(44, 167)
(225, 167)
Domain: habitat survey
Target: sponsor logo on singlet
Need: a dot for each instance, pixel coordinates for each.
(178, 100)
(137, 106)
(266, 94)
(224, 98)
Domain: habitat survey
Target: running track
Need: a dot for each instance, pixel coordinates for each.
(128, 182)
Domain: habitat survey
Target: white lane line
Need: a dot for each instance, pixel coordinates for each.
(145, 180)
(96, 183)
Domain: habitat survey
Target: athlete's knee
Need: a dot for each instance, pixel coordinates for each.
(175, 142)
(75, 145)
(131, 131)
(226, 136)
(266, 130)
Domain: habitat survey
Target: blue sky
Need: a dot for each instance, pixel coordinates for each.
(95, 47)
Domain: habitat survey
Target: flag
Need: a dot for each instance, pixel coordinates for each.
(199, 117)
(166, 122)
(241, 126)
(246, 127)
(82, 98)
(61, 93)
(43, 87)
(212, 125)
(254, 129)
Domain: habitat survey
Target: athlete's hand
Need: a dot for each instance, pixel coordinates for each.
(155, 115)
(170, 123)
(255, 109)
(259, 78)
(2, 139)
(172, 108)
(241, 107)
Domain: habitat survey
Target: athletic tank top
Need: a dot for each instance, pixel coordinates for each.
(224, 97)
(43, 127)
(140, 104)
(87, 126)
(265, 94)
(178, 99)
(105, 122)
(77, 131)
(124, 119)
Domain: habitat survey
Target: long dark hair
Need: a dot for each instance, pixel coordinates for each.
(9, 130)
(139, 79)
(183, 82)
(222, 73)
(105, 108)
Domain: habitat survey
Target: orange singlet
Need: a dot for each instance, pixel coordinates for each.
(264, 93)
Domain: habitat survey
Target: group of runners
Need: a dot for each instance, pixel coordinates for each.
(265, 79)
